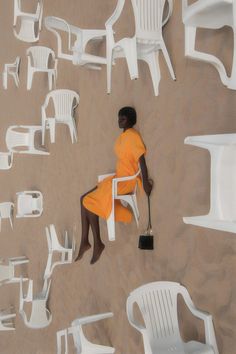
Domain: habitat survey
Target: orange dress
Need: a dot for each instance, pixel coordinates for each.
(129, 147)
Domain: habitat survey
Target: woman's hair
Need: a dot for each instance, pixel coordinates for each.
(129, 113)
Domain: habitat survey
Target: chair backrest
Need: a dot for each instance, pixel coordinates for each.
(15, 138)
(6, 159)
(40, 56)
(63, 101)
(148, 18)
(158, 305)
(6, 272)
(5, 209)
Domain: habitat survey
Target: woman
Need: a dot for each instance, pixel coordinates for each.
(130, 151)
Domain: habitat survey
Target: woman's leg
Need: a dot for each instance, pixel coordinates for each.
(98, 244)
(84, 244)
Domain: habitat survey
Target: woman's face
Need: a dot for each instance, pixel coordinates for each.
(122, 122)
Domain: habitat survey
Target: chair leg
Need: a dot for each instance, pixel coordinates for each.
(167, 59)
(109, 68)
(50, 78)
(29, 79)
(111, 227)
(130, 50)
(16, 79)
(232, 80)
(152, 59)
(72, 129)
(4, 79)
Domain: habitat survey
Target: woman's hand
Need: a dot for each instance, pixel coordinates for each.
(147, 186)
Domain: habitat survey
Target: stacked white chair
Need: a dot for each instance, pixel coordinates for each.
(29, 204)
(12, 70)
(65, 103)
(210, 14)
(21, 139)
(30, 23)
(6, 212)
(40, 316)
(125, 199)
(222, 214)
(7, 271)
(6, 160)
(66, 251)
(6, 323)
(76, 50)
(39, 61)
(157, 303)
(146, 43)
(82, 345)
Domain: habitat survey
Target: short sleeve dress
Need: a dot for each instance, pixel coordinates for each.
(129, 147)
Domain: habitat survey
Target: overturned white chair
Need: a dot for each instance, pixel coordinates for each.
(66, 251)
(125, 199)
(82, 345)
(65, 103)
(210, 14)
(157, 303)
(146, 43)
(6, 160)
(30, 23)
(40, 316)
(7, 271)
(6, 212)
(29, 204)
(76, 51)
(6, 322)
(222, 214)
(39, 61)
(12, 70)
(21, 139)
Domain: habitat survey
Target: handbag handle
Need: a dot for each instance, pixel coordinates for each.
(149, 225)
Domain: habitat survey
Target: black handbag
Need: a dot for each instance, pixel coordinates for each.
(146, 241)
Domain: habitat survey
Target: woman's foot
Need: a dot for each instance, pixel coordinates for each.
(83, 248)
(97, 253)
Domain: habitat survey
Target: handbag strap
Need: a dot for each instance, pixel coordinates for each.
(149, 226)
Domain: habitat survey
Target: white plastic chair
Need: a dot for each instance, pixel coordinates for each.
(222, 214)
(65, 102)
(210, 14)
(76, 51)
(40, 316)
(30, 23)
(16, 139)
(7, 271)
(82, 345)
(6, 212)
(13, 70)
(66, 251)
(149, 22)
(158, 305)
(6, 160)
(38, 61)
(6, 323)
(29, 204)
(126, 199)
(145, 44)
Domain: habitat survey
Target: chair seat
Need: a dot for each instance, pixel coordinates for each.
(198, 348)
(25, 204)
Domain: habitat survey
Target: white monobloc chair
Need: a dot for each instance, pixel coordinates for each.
(39, 61)
(146, 43)
(7, 271)
(6, 160)
(65, 103)
(66, 251)
(12, 70)
(6, 212)
(75, 49)
(23, 136)
(6, 323)
(210, 14)
(40, 316)
(222, 214)
(30, 23)
(157, 303)
(29, 204)
(126, 199)
(82, 345)
(149, 22)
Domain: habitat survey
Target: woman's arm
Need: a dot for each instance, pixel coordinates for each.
(147, 185)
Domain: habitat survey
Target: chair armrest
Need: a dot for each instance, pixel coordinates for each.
(93, 318)
(102, 177)
(60, 334)
(130, 314)
(116, 14)
(170, 10)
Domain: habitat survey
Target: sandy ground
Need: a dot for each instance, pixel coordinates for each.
(203, 260)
